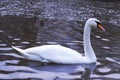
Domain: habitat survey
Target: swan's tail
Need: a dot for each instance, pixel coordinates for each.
(22, 52)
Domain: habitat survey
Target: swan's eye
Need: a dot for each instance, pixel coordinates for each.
(99, 25)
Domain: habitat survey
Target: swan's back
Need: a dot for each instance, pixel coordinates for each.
(56, 54)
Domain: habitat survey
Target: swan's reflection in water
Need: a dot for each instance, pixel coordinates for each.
(36, 70)
(89, 68)
(69, 72)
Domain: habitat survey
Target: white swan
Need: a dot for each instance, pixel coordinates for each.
(61, 54)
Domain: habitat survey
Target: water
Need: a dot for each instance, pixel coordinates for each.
(58, 22)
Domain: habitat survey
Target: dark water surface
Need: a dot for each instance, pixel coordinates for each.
(31, 23)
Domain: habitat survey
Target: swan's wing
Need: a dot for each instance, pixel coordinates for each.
(56, 54)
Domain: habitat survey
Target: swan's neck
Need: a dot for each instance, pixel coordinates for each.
(89, 52)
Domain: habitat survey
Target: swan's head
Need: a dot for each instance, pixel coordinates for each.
(93, 22)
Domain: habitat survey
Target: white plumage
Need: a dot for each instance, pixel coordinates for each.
(61, 54)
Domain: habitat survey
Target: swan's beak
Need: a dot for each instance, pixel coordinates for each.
(101, 27)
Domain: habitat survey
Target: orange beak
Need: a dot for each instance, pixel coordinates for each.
(100, 27)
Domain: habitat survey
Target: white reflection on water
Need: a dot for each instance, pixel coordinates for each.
(5, 48)
(50, 71)
(16, 39)
(106, 47)
(12, 54)
(2, 63)
(112, 60)
(11, 61)
(98, 37)
(77, 42)
(25, 42)
(1, 31)
(17, 68)
(40, 75)
(3, 45)
(104, 70)
(104, 39)
(113, 76)
(52, 43)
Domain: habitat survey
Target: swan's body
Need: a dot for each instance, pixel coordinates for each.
(61, 54)
(53, 53)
